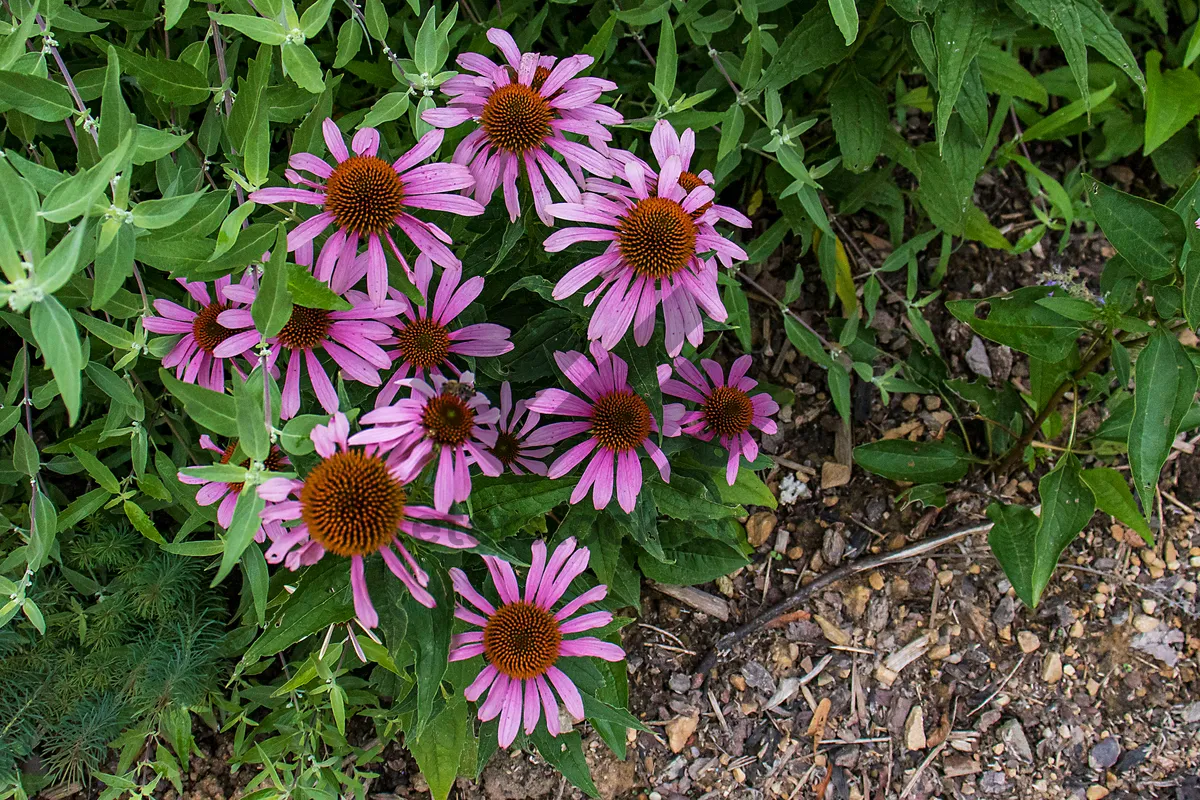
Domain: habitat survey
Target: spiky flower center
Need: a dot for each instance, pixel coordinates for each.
(521, 640)
(424, 343)
(275, 460)
(620, 420)
(728, 411)
(690, 180)
(364, 194)
(306, 328)
(506, 449)
(207, 331)
(657, 237)
(448, 419)
(352, 504)
(516, 118)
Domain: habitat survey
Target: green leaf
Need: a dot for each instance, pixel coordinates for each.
(272, 306)
(689, 499)
(115, 118)
(1172, 101)
(915, 462)
(690, 559)
(1114, 498)
(1052, 126)
(739, 314)
(114, 264)
(1067, 506)
(747, 490)
(1100, 33)
(731, 131)
(260, 30)
(565, 753)
(25, 454)
(56, 336)
(98, 470)
(155, 214)
(1164, 386)
(501, 506)
(1148, 235)
(302, 66)
(813, 43)
(173, 12)
(1013, 539)
(845, 14)
(665, 67)
(75, 195)
(429, 630)
(387, 108)
(18, 204)
(309, 292)
(242, 527)
(1062, 17)
(1017, 320)
(959, 31)
(322, 598)
(377, 20)
(1191, 288)
(252, 431)
(439, 748)
(177, 82)
(1003, 74)
(142, 523)
(214, 411)
(40, 98)
(315, 16)
(860, 115)
(56, 269)
(348, 43)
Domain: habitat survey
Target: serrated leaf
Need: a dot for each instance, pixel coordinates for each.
(430, 637)
(859, 114)
(1017, 320)
(959, 31)
(1149, 236)
(439, 748)
(322, 598)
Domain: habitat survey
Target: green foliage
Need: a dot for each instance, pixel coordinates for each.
(126, 165)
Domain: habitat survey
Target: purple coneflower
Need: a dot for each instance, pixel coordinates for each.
(512, 449)
(227, 493)
(424, 339)
(654, 255)
(443, 421)
(727, 409)
(351, 338)
(664, 143)
(353, 504)
(206, 344)
(365, 196)
(523, 638)
(523, 109)
(615, 419)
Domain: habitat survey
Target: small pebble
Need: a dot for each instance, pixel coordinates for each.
(1144, 623)
(1028, 641)
(1104, 754)
(1052, 668)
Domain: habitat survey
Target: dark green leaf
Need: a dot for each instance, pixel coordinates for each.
(58, 339)
(322, 598)
(214, 411)
(1164, 388)
(40, 98)
(1067, 505)
(915, 462)
(1114, 498)
(959, 31)
(273, 304)
(430, 637)
(1017, 320)
(1148, 235)
(1013, 540)
(860, 115)
(241, 531)
(439, 747)
(812, 44)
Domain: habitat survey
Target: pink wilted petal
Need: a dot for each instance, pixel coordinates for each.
(567, 691)
(362, 599)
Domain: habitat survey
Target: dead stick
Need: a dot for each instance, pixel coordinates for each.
(727, 642)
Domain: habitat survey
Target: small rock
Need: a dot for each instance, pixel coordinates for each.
(757, 676)
(1104, 754)
(977, 359)
(1160, 644)
(1096, 792)
(1015, 742)
(993, 782)
(1052, 668)
(759, 527)
(680, 729)
(914, 729)
(1144, 623)
(1191, 712)
(932, 402)
(832, 632)
(737, 682)
(910, 402)
(680, 683)
(1028, 641)
(1132, 758)
(958, 765)
(834, 475)
(876, 581)
(833, 547)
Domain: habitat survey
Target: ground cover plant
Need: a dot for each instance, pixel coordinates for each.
(362, 359)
